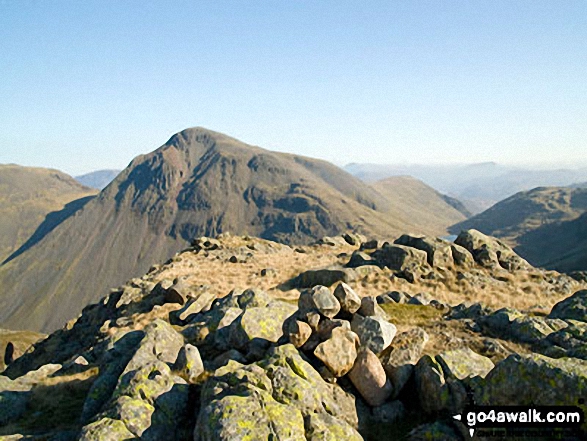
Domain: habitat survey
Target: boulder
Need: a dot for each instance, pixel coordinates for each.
(360, 258)
(178, 293)
(370, 308)
(461, 256)
(574, 307)
(464, 363)
(535, 380)
(319, 299)
(339, 352)
(399, 257)
(437, 393)
(389, 412)
(325, 277)
(399, 359)
(394, 296)
(489, 252)
(421, 298)
(348, 299)
(326, 327)
(368, 376)
(375, 333)
(297, 332)
(272, 398)
(253, 298)
(325, 427)
(260, 323)
(438, 251)
(201, 302)
(189, 363)
(106, 429)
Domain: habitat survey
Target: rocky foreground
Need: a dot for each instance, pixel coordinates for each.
(348, 339)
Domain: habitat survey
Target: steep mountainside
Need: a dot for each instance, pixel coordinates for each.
(561, 245)
(27, 197)
(542, 223)
(98, 179)
(416, 200)
(198, 183)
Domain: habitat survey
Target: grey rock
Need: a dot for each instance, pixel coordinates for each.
(339, 352)
(438, 251)
(319, 299)
(574, 307)
(348, 299)
(375, 333)
(370, 308)
(189, 363)
(421, 298)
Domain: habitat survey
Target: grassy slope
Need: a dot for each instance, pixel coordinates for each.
(27, 195)
(424, 206)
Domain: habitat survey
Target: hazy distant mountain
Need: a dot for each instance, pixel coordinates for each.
(198, 183)
(478, 186)
(416, 200)
(542, 223)
(579, 185)
(30, 197)
(98, 179)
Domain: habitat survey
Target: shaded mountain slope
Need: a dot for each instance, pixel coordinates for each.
(545, 224)
(526, 211)
(198, 183)
(415, 200)
(561, 245)
(31, 196)
(98, 179)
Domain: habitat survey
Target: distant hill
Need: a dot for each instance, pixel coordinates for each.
(477, 186)
(30, 197)
(527, 211)
(199, 183)
(416, 200)
(544, 224)
(98, 179)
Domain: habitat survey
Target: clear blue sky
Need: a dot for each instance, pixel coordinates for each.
(86, 85)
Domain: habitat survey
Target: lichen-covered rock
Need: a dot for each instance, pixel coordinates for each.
(339, 352)
(437, 393)
(574, 307)
(253, 298)
(399, 359)
(260, 323)
(202, 301)
(325, 427)
(106, 429)
(464, 363)
(319, 299)
(348, 299)
(438, 251)
(270, 399)
(189, 363)
(534, 380)
(375, 333)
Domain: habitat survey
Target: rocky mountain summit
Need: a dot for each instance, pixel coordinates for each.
(243, 338)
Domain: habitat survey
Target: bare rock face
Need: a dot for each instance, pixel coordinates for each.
(339, 352)
(375, 333)
(368, 376)
(349, 300)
